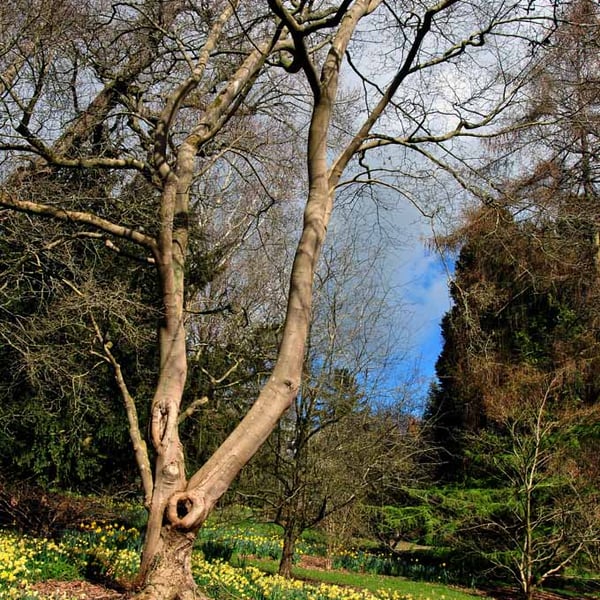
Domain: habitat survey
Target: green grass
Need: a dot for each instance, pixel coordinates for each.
(366, 581)
(578, 588)
(112, 551)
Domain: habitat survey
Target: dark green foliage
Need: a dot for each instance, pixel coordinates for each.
(227, 375)
(522, 296)
(62, 416)
(66, 291)
(433, 516)
(405, 522)
(518, 378)
(215, 550)
(526, 291)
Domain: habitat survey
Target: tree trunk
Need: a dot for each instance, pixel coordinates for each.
(528, 591)
(290, 535)
(169, 576)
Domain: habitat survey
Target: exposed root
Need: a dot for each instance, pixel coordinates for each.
(168, 592)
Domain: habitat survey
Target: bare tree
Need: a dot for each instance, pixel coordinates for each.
(549, 515)
(314, 464)
(158, 90)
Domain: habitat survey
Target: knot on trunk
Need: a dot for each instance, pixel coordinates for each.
(187, 510)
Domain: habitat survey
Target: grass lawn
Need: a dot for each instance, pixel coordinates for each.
(366, 581)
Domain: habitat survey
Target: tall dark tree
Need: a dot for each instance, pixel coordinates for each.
(526, 287)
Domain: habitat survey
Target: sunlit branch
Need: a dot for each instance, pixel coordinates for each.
(139, 445)
(342, 160)
(83, 218)
(175, 100)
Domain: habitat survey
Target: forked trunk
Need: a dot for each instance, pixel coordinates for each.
(169, 576)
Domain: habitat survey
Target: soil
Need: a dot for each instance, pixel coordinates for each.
(315, 562)
(82, 590)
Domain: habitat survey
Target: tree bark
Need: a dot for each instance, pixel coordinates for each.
(185, 505)
(169, 575)
(290, 535)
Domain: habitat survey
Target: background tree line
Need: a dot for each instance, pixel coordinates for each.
(515, 409)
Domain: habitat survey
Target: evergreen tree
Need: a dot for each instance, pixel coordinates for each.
(526, 286)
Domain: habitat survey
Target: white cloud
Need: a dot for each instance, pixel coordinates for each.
(423, 276)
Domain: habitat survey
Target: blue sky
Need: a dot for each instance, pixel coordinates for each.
(425, 285)
(421, 278)
(417, 278)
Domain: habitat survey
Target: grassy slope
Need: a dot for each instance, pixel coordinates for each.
(369, 582)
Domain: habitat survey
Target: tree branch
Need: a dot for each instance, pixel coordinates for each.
(342, 161)
(84, 218)
(140, 448)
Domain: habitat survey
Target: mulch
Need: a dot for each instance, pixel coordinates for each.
(82, 590)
